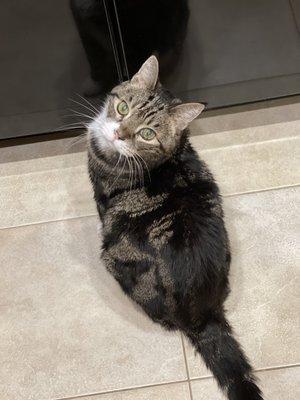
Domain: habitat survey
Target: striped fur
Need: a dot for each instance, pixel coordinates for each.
(164, 238)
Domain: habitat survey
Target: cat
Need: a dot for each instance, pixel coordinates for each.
(164, 238)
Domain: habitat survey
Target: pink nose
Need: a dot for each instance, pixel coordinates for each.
(117, 134)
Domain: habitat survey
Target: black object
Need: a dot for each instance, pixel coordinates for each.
(222, 53)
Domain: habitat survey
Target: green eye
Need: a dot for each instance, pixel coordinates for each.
(123, 108)
(147, 133)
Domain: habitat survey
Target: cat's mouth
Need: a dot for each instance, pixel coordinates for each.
(108, 137)
(111, 140)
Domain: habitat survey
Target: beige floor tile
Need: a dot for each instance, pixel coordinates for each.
(45, 196)
(66, 327)
(247, 116)
(280, 384)
(264, 306)
(57, 187)
(45, 189)
(177, 391)
(257, 134)
(43, 164)
(255, 167)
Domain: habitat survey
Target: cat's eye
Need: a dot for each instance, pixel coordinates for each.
(147, 133)
(123, 108)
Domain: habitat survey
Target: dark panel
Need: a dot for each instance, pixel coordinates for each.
(209, 47)
(223, 52)
(295, 4)
(43, 62)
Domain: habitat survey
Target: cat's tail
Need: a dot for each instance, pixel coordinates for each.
(224, 357)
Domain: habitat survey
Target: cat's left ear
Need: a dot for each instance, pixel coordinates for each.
(183, 114)
(146, 77)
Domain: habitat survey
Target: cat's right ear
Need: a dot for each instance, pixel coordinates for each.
(147, 76)
(183, 114)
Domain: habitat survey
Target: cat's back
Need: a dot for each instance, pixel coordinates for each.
(182, 200)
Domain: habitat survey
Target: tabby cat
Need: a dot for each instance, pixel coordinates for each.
(164, 238)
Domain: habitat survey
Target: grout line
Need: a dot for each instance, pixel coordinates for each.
(43, 171)
(238, 145)
(274, 368)
(128, 389)
(82, 396)
(51, 221)
(186, 366)
(269, 189)
(201, 130)
(224, 196)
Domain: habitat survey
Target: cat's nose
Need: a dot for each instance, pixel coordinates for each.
(118, 135)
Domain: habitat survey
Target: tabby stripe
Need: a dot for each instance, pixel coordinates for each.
(143, 105)
(114, 95)
(149, 121)
(150, 113)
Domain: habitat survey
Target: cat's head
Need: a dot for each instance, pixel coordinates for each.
(140, 118)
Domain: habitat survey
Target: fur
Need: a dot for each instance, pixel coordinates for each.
(165, 240)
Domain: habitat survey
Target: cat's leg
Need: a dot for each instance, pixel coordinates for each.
(142, 288)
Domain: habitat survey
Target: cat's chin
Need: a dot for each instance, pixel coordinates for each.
(109, 147)
(115, 147)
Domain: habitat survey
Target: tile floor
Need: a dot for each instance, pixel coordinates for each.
(66, 329)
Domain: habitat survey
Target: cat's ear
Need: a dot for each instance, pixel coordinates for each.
(183, 114)
(146, 77)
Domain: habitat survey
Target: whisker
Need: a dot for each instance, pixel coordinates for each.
(135, 155)
(120, 156)
(78, 139)
(134, 172)
(127, 154)
(85, 124)
(142, 180)
(100, 103)
(77, 113)
(86, 107)
(73, 125)
(120, 173)
(130, 172)
(139, 170)
(88, 102)
(141, 158)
